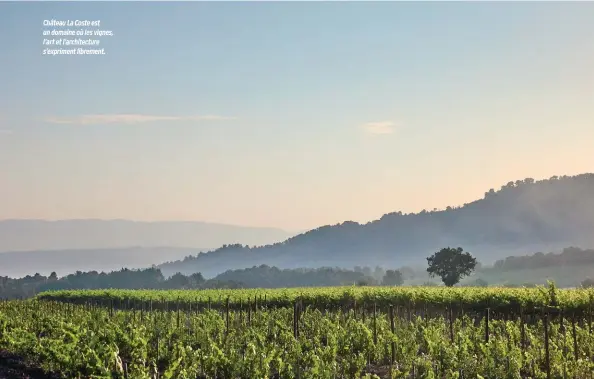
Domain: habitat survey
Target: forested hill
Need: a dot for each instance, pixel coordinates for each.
(519, 218)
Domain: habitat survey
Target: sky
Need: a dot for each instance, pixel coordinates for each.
(292, 115)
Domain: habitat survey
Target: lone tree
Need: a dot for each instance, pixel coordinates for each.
(451, 264)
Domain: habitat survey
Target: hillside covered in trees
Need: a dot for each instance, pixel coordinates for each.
(571, 256)
(521, 217)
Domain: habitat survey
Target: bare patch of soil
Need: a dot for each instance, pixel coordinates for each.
(14, 367)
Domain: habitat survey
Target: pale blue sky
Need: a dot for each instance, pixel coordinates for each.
(468, 96)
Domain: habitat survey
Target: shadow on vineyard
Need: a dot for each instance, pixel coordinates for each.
(354, 332)
(15, 367)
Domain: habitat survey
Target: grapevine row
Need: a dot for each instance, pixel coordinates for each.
(91, 340)
(500, 300)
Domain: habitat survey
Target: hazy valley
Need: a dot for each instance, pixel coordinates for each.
(520, 218)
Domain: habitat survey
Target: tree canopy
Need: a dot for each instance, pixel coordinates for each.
(451, 264)
(393, 278)
(152, 278)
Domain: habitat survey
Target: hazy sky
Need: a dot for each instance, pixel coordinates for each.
(324, 112)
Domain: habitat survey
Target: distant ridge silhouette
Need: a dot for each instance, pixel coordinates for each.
(520, 218)
(27, 235)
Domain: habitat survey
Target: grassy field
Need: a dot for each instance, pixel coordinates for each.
(359, 332)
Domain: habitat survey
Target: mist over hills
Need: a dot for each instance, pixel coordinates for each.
(63, 262)
(36, 246)
(27, 235)
(521, 217)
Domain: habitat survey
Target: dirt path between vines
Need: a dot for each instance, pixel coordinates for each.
(14, 367)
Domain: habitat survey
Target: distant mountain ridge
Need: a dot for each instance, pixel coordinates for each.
(521, 217)
(63, 262)
(28, 235)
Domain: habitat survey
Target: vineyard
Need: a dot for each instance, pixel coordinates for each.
(332, 298)
(332, 333)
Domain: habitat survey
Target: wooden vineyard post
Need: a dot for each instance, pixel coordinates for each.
(392, 329)
(451, 317)
(374, 325)
(240, 311)
(590, 317)
(227, 314)
(296, 319)
(299, 309)
(487, 315)
(249, 315)
(574, 335)
(178, 313)
(522, 332)
(563, 331)
(158, 356)
(363, 312)
(546, 337)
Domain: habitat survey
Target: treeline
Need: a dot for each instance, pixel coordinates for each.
(570, 256)
(152, 278)
(272, 277)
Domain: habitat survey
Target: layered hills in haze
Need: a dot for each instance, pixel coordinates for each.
(26, 235)
(63, 262)
(37, 246)
(521, 217)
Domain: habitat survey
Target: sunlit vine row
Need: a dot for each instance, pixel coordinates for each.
(469, 298)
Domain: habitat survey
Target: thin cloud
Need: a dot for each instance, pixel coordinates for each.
(93, 119)
(380, 127)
